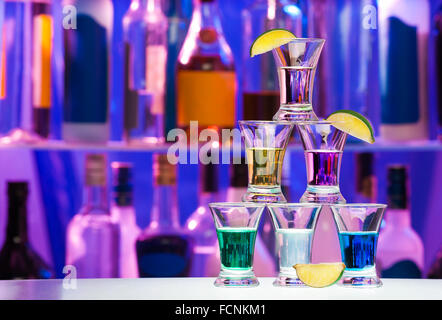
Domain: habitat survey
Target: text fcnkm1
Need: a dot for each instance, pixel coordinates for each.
(223, 309)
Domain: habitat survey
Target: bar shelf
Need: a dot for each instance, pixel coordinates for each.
(111, 146)
(120, 146)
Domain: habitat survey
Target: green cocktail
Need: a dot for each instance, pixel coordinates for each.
(236, 247)
(236, 226)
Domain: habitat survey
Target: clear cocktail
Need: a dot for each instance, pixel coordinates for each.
(297, 61)
(294, 225)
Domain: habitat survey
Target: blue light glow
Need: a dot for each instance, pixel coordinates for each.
(292, 10)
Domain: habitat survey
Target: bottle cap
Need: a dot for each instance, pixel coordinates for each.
(364, 162)
(209, 177)
(122, 183)
(17, 190)
(397, 189)
(122, 174)
(164, 173)
(365, 178)
(239, 174)
(95, 170)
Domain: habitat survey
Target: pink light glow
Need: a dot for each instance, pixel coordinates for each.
(267, 227)
(151, 6)
(204, 250)
(271, 10)
(192, 224)
(134, 5)
(154, 225)
(187, 50)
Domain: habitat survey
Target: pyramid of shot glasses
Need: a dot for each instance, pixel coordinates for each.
(323, 141)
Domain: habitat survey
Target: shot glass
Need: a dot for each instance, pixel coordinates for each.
(266, 143)
(236, 226)
(297, 61)
(358, 227)
(294, 227)
(323, 147)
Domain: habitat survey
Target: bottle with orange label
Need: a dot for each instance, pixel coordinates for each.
(26, 48)
(41, 70)
(206, 80)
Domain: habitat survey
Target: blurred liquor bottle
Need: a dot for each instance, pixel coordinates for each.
(92, 237)
(26, 42)
(17, 258)
(436, 267)
(145, 57)
(164, 249)
(400, 252)
(87, 57)
(123, 213)
(347, 75)
(366, 180)
(41, 67)
(206, 79)
(178, 21)
(200, 224)
(260, 97)
(403, 69)
(438, 70)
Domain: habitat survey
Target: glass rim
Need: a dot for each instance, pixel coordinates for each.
(314, 122)
(295, 204)
(237, 204)
(304, 39)
(284, 122)
(359, 205)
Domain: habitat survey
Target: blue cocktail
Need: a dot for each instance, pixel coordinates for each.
(358, 226)
(358, 249)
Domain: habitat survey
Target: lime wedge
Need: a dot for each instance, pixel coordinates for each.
(270, 40)
(353, 123)
(319, 275)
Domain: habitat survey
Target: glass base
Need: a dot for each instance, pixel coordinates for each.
(236, 282)
(295, 113)
(360, 279)
(288, 281)
(321, 194)
(235, 278)
(254, 194)
(20, 136)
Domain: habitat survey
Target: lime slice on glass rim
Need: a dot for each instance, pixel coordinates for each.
(353, 123)
(270, 40)
(320, 275)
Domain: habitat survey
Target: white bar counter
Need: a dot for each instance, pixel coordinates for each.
(203, 289)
